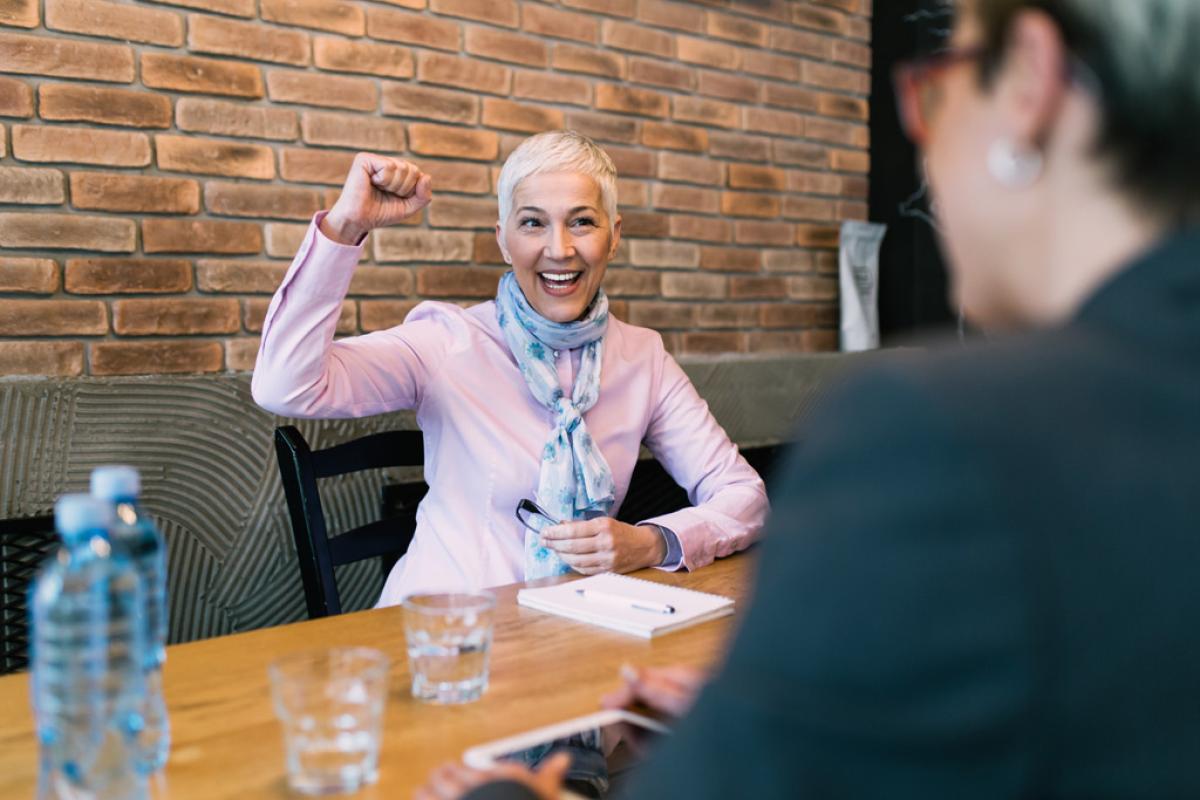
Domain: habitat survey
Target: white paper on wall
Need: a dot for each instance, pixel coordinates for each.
(858, 279)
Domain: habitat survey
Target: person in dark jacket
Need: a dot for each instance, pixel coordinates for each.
(981, 576)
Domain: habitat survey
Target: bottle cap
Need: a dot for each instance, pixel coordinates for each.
(115, 482)
(77, 515)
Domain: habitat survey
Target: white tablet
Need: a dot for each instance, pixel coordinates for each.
(604, 746)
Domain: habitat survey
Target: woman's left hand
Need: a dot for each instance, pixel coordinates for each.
(605, 545)
(451, 780)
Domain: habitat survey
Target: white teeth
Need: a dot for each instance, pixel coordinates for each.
(560, 277)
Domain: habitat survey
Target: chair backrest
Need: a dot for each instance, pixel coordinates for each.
(24, 545)
(300, 467)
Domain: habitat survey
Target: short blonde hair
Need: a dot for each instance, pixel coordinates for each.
(558, 151)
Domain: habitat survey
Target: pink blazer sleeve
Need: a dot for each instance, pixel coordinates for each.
(729, 501)
(302, 372)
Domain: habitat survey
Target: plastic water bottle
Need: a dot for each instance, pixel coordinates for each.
(87, 652)
(133, 532)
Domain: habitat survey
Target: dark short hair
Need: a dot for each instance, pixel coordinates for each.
(1140, 57)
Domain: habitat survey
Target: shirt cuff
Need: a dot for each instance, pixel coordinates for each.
(674, 557)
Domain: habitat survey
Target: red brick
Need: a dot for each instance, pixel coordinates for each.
(775, 341)
(212, 157)
(462, 212)
(663, 14)
(506, 46)
(397, 245)
(234, 8)
(414, 29)
(628, 100)
(28, 276)
(80, 146)
(632, 193)
(352, 130)
(407, 100)
(241, 355)
(739, 146)
(201, 75)
(730, 87)
(757, 288)
(769, 233)
(101, 191)
(632, 283)
(496, 12)
(340, 55)
(631, 162)
(804, 154)
(753, 176)
(545, 21)
(808, 182)
(690, 169)
(686, 198)
(661, 316)
(701, 229)
(812, 287)
(778, 94)
(604, 127)
(64, 101)
(640, 39)
(200, 236)
(127, 276)
(457, 176)
(801, 42)
(115, 21)
(674, 137)
(66, 58)
(315, 166)
(810, 208)
(440, 140)
(780, 123)
(726, 315)
(249, 40)
(847, 209)
(53, 318)
(235, 119)
(711, 343)
(644, 224)
(16, 98)
(487, 251)
(155, 358)
(31, 186)
(850, 161)
(707, 52)
(145, 317)
(283, 239)
(750, 204)
(842, 79)
(20, 13)
(855, 186)
(552, 88)
(248, 200)
(736, 29)
(378, 315)
(416, 5)
(817, 235)
(789, 260)
(616, 8)
(325, 15)
(796, 315)
(693, 286)
(852, 53)
(572, 58)
(661, 73)
(706, 112)
(650, 253)
(395, 281)
(455, 281)
(67, 232)
(463, 73)
(239, 277)
(730, 259)
(810, 16)
(330, 91)
(852, 108)
(60, 359)
(770, 65)
(509, 116)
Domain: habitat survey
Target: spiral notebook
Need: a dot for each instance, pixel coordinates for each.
(626, 604)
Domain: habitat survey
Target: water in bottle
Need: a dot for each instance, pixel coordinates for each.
(87, 648)
(134, 532)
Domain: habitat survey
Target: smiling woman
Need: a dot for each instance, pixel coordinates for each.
(538, 393)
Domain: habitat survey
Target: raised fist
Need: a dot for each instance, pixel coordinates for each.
(379, 191)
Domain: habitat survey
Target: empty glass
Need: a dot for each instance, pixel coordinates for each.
(330, 703)
(449, 636)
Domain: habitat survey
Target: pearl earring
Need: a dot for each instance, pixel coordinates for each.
(1013, 167)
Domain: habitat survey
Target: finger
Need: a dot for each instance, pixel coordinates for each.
(683, 677)
(397, 174)
(572, 530)
(424, 190)
(619, 698)
(551, 774)
(597, 562)
(407, 180)
(592, 544)
(382, 172)
(446, 782)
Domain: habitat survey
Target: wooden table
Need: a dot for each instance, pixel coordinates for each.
(227, 743)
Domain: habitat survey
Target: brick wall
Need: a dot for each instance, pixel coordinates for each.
(159, 161)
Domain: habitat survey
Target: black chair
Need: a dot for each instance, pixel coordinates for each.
(24, 545)
(319, 552)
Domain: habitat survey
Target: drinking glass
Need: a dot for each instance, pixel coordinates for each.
(330, 703)
(449, 636)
